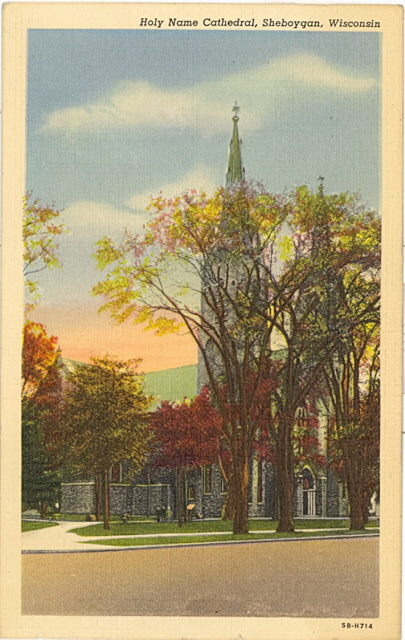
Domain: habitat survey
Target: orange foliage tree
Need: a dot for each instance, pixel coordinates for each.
(41, 406)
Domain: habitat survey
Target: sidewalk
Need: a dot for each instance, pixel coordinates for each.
(59, 539)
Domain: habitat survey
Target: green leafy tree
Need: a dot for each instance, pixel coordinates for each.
(105, 419)
(41, 480)
(41, 403)
(41, 230)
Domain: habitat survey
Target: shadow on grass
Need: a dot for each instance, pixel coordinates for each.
(196, 539)
(199, 526)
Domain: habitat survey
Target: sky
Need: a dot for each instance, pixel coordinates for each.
(115, 116)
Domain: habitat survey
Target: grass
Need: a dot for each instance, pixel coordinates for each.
(250, 537)
(82, 517)
(198, 526)
(32, 526)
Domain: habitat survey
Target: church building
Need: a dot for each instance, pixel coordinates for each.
(318, 493)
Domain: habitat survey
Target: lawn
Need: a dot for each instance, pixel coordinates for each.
(198, 526)
(32, 526)
(197, 539)
(82, 517)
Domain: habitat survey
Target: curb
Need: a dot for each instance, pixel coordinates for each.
(201, 544)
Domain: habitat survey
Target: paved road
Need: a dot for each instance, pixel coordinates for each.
(322, 578)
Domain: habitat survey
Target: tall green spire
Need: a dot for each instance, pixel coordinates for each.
(236, 170)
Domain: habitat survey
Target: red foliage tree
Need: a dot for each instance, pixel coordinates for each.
(186, 435)
(306, 443)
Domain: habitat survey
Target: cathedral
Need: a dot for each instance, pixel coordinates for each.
(318, 492)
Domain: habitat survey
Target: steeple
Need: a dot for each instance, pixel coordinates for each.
(236, 170)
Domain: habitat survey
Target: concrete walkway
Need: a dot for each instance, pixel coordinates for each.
(60, 539)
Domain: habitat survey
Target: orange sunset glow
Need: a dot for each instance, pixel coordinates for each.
(83, 333)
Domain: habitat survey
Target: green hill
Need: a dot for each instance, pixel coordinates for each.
(168, 384)
(172, 384)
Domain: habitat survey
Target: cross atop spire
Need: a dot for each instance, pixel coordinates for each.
(236, 170)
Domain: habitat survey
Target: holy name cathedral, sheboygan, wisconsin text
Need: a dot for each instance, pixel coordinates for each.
(252, 23)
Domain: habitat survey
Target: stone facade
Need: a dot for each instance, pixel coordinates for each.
(337, 501)
(314, 495)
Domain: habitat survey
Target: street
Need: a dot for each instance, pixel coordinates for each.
(322, 578)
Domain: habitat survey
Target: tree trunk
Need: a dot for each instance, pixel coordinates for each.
(106, 500)
(366, 502)
(240, 482)
(356, 506)
(42, 509)
(285, 501)
(285, 479)
(97, 495)
(180, 498)
(229, 506)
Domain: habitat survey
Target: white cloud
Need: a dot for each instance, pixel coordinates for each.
(200, 177)
(311, 70)
(205, 106)
(140, 104)
(89, 221)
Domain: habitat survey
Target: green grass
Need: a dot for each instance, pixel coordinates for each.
(250, 537)
(32, 526)
(198, 526)
(82, 517)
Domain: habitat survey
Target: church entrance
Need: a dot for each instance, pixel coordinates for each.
(308, 494)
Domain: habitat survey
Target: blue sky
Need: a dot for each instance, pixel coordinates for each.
(114, 116)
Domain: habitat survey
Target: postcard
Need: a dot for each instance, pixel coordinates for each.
(201, 321)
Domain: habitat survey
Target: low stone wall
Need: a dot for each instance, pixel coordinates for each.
(119, 502)
(78, 497)
(146, 499)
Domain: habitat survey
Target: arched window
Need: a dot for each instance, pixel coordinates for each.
(207, 478)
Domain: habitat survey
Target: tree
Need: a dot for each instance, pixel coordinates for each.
(39, 354)
(333, 241)
(203, 263)
(305, 438)
(40, 235)
(105, 419)
(260, 447)
(353, 384)
(343, 243)
(241, 271)
(186, 435)
(41, 402)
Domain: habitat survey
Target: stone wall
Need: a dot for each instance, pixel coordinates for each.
(78, 497)
(146, 499)
(336, 504)
(320, 496)
(119, 499)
